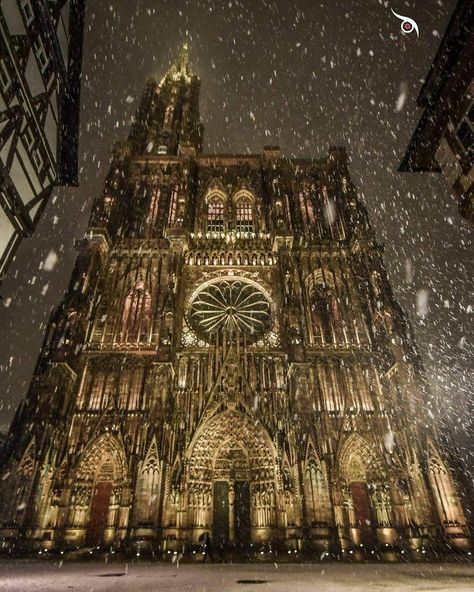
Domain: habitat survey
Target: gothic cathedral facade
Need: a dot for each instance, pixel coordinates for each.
(228, 358)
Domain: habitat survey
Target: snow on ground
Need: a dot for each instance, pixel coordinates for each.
(56, 576)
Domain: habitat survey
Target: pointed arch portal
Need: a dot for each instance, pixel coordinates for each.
(231, 470)
(360, 467)
(100, 475)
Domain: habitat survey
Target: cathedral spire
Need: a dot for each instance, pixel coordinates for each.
(180, 67)
(168, 120)
(182, 62)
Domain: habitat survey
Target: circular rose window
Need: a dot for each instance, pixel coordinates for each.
(231, 308)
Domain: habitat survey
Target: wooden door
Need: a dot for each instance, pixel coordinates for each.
(220, 522)
(99, 512)
(362, 509)
(242, 511)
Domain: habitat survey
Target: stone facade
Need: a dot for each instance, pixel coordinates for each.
(228, 358)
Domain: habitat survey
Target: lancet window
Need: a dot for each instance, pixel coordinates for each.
(108, 204)
(320, 316)
(130, 388)
(325, 308)
(215, 214)
(334, 220)
(307, 211)
(316, 493)
(136, 313)
(172, 217)
(244, 222)
(169, 112)
(152, 215)
(444, 493)
(102, 388)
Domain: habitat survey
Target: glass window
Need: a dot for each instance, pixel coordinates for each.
(244, 215)
(40, 54)
(307, 210)
(136, 314)
(466, 136)
(173, 205)
(97, 391)
(215, 215)
(152, 215)
(470, 114)
(28, 138)
(130, 385)
(169, 116)
(465, 131)
(27, 11)
(5, 80)
(36, 156)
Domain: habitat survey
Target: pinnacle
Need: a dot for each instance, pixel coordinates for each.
(183, 58)
(181, 65)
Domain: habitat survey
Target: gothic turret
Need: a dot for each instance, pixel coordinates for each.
(168, 117)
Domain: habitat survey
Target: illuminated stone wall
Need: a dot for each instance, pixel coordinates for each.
(228, 358)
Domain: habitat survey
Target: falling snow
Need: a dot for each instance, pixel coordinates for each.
(305, 76)
(50, 261)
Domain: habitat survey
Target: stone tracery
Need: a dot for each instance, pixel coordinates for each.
(228, 357)
(230, 306)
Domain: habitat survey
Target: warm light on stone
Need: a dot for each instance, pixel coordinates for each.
(229, 358)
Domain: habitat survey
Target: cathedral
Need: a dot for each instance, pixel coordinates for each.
(228, 358)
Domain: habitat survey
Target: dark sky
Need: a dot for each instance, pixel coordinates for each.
(302, 74)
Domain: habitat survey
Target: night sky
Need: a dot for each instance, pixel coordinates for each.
(304, 75)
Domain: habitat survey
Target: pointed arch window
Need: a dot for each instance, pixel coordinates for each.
(316, 494)
(172, 217)
(108, 205)
(334, 221)
(307, 211)
(130, 388)
(376, 282)
(244, 215)
(320, 314)
(102, 388)
(136, 313)
(148, 487)
(325, 308)
(446, 498)
(215, 215)
(152, 215)
(169, 116)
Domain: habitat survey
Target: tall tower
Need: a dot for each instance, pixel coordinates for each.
(228, 358)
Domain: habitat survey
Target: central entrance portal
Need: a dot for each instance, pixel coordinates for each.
(231, 473)
(231, 511)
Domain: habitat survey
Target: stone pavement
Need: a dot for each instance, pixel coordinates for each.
(56, 576)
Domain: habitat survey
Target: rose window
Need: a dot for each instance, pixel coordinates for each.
(230, 307)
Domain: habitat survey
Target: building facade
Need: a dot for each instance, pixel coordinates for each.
(40, 65)
(444, 138)
(228, 358)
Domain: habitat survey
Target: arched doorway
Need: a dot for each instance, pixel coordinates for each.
(98, 491)
(232, 480)
(101, 497)
(366, 495)
(231, 494)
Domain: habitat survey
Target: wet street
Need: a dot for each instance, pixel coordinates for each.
(55, 576)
